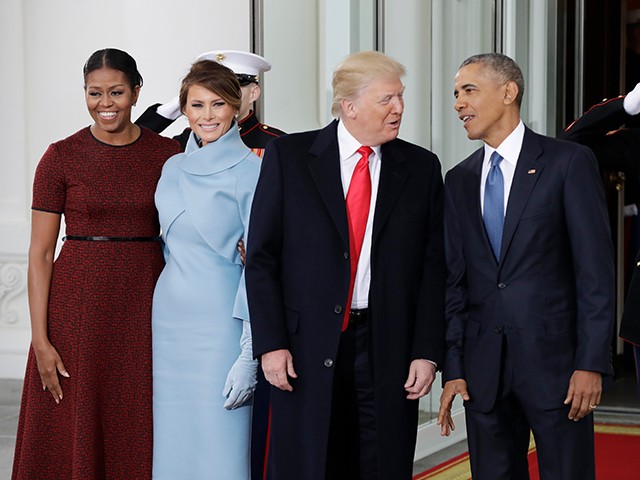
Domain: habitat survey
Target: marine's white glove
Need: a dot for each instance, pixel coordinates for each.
(171, 109)
(241, 379)
(631, 102)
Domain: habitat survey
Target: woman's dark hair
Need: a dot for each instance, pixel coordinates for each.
(214, 77)
(116, 60)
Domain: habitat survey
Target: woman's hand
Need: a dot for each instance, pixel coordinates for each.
(45, 227)
(242, 251)
(49, 365)
(241, 379)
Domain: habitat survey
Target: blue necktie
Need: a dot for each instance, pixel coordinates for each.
(493, 214)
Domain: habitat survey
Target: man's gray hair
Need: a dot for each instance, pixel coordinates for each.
(504, 67)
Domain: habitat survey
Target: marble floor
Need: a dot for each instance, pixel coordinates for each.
(10, 391)
(620, 404)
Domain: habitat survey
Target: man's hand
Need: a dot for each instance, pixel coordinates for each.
(449, 392)
(421, 376)
(278, 367)
(585, 391)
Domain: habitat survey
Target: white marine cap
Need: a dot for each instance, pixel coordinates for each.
(242, 63)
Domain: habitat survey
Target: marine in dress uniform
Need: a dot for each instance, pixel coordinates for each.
(630, 327)
(617, 150)
(247, 67)
(256, 135)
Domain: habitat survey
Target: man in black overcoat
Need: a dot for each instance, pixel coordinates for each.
(350, 333)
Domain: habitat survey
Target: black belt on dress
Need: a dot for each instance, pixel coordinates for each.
(358, 316)
(110, 239)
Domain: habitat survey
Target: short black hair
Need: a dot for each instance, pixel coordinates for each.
(245, 79)
(505, 67)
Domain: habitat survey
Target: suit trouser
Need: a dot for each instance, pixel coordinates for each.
(499, 439)
(636, 355)
(352, 451)
(260, 426)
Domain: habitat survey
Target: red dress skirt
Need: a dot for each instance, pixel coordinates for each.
(99, 316)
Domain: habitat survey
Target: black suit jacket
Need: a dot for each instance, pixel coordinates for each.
(550, 297)
(297, 277)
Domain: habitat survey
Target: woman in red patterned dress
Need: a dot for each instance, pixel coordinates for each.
(86, 403)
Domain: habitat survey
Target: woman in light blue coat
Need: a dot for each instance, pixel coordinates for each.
(203, 367)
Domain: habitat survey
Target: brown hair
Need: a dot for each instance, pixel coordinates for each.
(214, 77)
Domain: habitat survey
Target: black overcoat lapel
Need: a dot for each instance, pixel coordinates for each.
(393, 176)
(324, 166)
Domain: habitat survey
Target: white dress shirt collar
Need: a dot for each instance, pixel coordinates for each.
(510, 147)
(509, 150)
(348, 145)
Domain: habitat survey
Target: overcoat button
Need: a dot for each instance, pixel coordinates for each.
(498, 329)
(346, 255)
(328, 362)
(502, 285)
(337, 309)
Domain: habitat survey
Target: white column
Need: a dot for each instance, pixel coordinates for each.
(15, 187)
(43, 47)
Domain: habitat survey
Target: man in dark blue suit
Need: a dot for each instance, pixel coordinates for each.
(349, 326)
(530, 290)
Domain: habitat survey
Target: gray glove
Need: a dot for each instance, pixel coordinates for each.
(171, 109)
(241, 379)
(631, 102)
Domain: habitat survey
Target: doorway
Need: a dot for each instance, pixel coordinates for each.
(601, 63)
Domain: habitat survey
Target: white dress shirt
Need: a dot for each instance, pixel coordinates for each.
(509, 150)
(348, 147)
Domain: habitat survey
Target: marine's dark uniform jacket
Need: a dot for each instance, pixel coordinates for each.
(630, 327)
(617, 149)
(254, 134)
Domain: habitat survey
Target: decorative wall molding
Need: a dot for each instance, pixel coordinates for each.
(13, 285)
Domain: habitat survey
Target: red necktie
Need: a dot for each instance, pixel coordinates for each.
(358, 202)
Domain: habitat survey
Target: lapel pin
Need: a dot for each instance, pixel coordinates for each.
(531, 171)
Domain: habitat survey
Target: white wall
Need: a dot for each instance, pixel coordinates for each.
(43, 46)
(294, 89)
(430, 38)
(305, 41)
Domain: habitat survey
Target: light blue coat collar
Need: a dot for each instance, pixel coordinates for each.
(214, 157)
